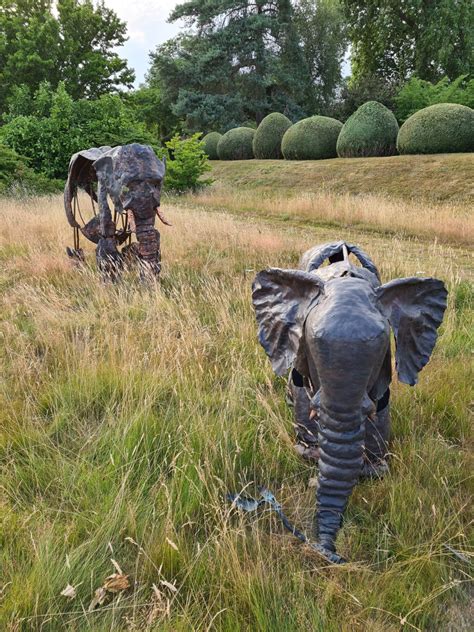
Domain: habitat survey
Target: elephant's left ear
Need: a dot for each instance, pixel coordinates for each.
(281, 299)
(415, 309)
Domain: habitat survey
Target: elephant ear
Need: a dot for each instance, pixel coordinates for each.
(415, 308)
(281, 299)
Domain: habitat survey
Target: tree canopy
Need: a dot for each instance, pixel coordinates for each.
(240, 60)
(75, 44)
(394, 39)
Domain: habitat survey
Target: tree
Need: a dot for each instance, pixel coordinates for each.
(75, 45)
(417, 94)
(88, 63)
(53, 126)
(321, 29)
(394, 39)
(240, 60)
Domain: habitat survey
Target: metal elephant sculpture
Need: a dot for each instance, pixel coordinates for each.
(331, 325)
(131, 176)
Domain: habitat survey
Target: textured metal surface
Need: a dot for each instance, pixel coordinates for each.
(267, 499)
(333, 324)
(131, 176)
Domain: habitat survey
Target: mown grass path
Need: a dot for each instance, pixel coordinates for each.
(127, 413)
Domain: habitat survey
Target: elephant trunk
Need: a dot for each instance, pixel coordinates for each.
(341, 449)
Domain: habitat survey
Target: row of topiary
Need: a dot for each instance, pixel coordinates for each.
(371, 131)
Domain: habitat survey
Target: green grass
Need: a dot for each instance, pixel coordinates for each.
(127, 413)
(433, 178)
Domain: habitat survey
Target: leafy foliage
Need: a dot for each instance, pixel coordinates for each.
(356, 91)
(75, 44)
(59, 126)
(417, 94)
(236, 144)
(242, 61)
(394, 40)
(371, 131)
(186, 163)
(211, 141)
(311, 139)
(441, 128)
(322, 33)
(269, 134)
(16, 177)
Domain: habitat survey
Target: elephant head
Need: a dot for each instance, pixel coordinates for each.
(333, 326)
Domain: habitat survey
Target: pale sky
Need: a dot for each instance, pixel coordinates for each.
(146, 27)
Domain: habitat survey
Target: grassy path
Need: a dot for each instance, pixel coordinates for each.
(127, 413)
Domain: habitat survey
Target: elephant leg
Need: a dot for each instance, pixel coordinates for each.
(376, 440)
(148, 247)
(109, 259)
(305, 421)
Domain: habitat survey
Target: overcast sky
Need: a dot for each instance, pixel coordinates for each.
(147, 27)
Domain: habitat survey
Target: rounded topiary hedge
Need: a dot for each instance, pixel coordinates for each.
(438, 129)
(236, 144)
(211, 141)
(269, 134)
(312, 138)
(371, 131)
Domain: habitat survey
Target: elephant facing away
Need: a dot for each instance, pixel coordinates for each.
(331, 325)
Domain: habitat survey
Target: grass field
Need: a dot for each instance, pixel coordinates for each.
(128, 412)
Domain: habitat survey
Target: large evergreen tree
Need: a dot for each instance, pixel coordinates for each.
(321, 29)
(240, 60)
(395, 39)
(75, 45)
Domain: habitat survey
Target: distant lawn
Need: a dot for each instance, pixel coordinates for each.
(420, 197)
(435, 178)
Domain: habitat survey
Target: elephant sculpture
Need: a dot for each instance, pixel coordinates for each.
(131, 176)
(331, 325)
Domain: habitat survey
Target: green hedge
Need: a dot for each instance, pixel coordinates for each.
(312, 138)
(17, 178)
(371, 131)
(438, 129)
(236, 144)
(268, 137)
(211, 141)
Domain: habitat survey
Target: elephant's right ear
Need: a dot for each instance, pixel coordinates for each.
(414, 307)
(281, 299)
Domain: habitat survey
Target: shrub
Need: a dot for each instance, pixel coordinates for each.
(269, 134)
(438, 129)
(16, 177)
(417, 94)
(61, 126)
(312, 138)
(371, 131)
(210, 145)
(189, 162)
(236, 144)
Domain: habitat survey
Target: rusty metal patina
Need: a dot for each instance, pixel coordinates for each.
(131, 177)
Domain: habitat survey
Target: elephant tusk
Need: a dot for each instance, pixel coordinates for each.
(162, 217)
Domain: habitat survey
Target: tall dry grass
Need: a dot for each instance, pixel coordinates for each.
(451, 222)
(128, 412)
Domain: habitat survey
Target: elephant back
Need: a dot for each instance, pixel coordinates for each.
(316, 256)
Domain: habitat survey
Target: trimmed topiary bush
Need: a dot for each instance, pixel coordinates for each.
(371, 131)
(236, 144)
(312, 138)
(269, 134)
(438, 129)
(211, 141)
